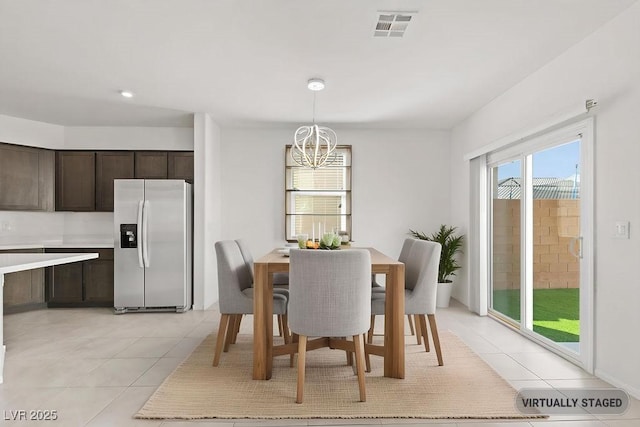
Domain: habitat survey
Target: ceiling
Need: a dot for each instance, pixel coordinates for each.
(246, 62)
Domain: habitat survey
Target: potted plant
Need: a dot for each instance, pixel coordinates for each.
(451, 246)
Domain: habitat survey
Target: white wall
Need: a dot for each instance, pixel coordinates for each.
(207, 210)
(28, 132)
(399, 182)
(127, 138)
(605, 66)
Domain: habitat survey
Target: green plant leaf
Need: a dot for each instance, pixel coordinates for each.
(451, 247)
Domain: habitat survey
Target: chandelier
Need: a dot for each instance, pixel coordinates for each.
(314, 146)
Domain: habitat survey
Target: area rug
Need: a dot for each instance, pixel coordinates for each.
(465, 387)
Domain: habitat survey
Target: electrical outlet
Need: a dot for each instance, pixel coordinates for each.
(621, 230)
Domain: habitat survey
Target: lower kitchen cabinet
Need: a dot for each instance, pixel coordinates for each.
(81, 284)
(97, 275)
(23, 290)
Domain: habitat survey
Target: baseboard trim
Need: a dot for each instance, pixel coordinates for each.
(633, 391)
(12, 309)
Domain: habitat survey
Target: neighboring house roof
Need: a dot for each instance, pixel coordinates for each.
(543, 188)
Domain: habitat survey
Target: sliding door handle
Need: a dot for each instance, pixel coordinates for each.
(572, 247)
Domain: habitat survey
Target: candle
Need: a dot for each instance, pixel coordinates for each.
(313, 233)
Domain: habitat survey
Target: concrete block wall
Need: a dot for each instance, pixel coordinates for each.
(555, 225)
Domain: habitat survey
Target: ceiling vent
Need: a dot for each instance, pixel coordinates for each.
(392, 24)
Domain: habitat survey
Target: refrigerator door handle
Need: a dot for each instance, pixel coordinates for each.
(139, 232)
(145, 221)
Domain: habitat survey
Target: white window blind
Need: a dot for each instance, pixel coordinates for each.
(318, 197)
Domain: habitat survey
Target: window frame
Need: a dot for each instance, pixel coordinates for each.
(289, 232)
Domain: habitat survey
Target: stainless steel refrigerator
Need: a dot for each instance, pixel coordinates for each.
(152, 245)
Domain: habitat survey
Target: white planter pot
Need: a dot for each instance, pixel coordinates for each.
(444, 294)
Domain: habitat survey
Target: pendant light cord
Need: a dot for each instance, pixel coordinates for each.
(314, 109)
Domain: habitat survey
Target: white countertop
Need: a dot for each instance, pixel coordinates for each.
(10, 263)
(59, 244)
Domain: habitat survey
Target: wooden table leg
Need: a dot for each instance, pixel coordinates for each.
(394, 323)
(262, 323)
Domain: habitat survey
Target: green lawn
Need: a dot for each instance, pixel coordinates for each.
(556, 312)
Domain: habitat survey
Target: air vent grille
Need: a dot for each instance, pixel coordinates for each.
(392, 24)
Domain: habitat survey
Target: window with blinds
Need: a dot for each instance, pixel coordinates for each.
(318, 198)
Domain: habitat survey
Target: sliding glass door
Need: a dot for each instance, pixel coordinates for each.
(506, 239)
(539, 277)
(556, 244)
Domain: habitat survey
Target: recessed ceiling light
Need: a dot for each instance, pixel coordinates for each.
(126, 93)
(315, 84)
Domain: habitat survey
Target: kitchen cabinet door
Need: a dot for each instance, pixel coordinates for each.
(98, 278)
(81, 284)
(65, 284)
(26, 178)
(23, 290)
(75, 181)
(151, 164)
(111, 165)
(180, 165)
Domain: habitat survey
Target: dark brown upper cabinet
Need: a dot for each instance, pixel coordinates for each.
(75, 181)
(111, 165)
(84, 179)
(26, 178)
(151, 164)
(181, 165)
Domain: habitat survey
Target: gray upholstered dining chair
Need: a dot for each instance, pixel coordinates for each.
(280, 280)
(404, 254)
(421, 280)
(236, 295)
(330, 294)
(377, 288)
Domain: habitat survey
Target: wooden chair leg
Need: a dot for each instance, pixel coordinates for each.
(373, 324)
(418, 330)
(424, 331)
(285, 328)
(236, 331)
(436, 339)
(302, 352)
(367, 359)
(233, 318)
(410, 319)
(280, 328)
(359, 345)
(294, 339)
(222, 330)
(349, 356)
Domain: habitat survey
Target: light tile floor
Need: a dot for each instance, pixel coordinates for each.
(98, 369)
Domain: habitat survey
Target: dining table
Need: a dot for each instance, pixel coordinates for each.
(264, 350)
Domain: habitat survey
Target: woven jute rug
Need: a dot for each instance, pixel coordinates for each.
(465, 387)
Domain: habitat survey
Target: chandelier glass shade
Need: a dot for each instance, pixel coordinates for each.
(314, 146)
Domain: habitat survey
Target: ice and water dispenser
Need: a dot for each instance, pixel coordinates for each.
(128, 236)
